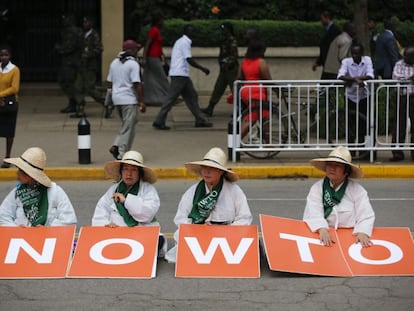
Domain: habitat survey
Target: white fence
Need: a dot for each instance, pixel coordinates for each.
(310, 115)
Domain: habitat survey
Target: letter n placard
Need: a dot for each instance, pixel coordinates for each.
(218, 252)
(121, 252)
(40, 252)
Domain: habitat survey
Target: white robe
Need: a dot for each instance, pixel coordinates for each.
(142, 207)
(231, 208)
(354, 210)
(60, 211)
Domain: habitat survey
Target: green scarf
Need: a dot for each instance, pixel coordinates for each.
(203, 204)
(122, 188)
(35, 203)
(330, 197)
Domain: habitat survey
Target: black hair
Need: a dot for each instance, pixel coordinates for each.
(156, 19)
(140, 170)
(6, 47)
(229, 27)
(348, 169)
(89, 19)
(326, 14)
(256, 49)
(358, 45)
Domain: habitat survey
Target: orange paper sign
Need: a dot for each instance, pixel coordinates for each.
(121, 252)
(391, 254)
(291, 246)
(218, 251)
(40, 252)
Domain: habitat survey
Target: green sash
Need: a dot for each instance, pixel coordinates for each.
(122, 188)
(35, 203)
(330, 197)
(203, 204)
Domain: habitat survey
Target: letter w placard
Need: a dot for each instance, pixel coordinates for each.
(217, 251)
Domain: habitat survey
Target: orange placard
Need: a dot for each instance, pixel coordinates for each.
(40, 252)
(218, 251)
(121, 252)
(391, 254)
(290, 246)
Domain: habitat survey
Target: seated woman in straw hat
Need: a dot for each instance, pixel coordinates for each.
(338, 201)
(132, 200)
(215, 200)
(36, 200)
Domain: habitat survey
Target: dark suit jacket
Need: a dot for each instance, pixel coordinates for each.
(330, 35)
(386, 54)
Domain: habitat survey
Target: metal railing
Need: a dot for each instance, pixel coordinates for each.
(315, 115)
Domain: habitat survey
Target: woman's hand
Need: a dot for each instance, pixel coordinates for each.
(363, 239)
(118, 197)
(325, 237)
(111, 225)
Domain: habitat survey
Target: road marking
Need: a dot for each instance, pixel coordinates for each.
(371, 199)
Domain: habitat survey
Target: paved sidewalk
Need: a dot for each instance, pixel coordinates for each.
(41, 124)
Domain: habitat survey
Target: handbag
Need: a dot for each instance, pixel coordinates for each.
(9, 106)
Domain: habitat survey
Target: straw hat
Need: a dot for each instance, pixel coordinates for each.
(216, 158)
(341, 155)
(112, 168)
(32, 162)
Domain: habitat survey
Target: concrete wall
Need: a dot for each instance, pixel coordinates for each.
(287, 63)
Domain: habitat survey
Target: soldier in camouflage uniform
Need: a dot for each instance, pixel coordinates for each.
(228, 61)
(70, 49)
(92, 49)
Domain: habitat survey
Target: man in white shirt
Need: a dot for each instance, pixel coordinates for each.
(181, 83)
(125, 81)
(354, 71)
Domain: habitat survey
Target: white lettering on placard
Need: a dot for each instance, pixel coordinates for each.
(303, 245)
(396, 253)
(44, 258)
(205, 258)
(137, 251)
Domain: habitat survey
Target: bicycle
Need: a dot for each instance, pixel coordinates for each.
(291, 121)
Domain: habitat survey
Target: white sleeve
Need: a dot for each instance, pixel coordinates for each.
(243, 215)
(65, 214)
(185, 206)
(8, 209)
(102, 213)
(314, 213)
(144, 206)
(364, 213)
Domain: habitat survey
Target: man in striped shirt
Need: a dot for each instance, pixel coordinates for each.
(404, 71)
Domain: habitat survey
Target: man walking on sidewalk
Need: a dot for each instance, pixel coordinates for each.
(125, 82)
(181, 83)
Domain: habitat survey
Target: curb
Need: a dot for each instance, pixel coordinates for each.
(244, 172)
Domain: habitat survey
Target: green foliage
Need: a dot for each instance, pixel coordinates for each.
(273, 33)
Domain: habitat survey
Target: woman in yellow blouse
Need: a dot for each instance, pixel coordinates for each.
(9, 88)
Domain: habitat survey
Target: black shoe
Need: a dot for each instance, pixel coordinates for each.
(115, 152)
(68, 109)
(203, 124)
(207, 111)
(108, 111)
(5, 165)
(396, 158)
(77, 115)
(162, 127)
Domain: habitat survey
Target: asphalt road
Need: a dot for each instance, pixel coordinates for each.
(392, 200)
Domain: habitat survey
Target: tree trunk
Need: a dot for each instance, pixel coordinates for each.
(361, 23)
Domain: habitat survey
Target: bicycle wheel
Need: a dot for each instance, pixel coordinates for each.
(338, 128)
(263, 137)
